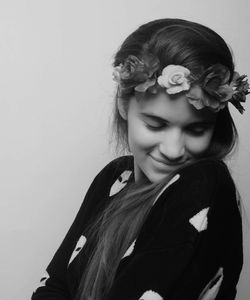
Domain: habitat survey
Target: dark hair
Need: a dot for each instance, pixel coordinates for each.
(172, 41)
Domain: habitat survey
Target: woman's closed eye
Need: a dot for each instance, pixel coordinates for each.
(153, 123)
(198, 130)
(155, 126)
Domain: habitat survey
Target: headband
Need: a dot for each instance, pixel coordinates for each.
(211, 89)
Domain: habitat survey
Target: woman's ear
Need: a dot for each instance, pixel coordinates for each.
(122, 107)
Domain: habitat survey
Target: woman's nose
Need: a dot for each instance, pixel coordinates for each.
(172, 145)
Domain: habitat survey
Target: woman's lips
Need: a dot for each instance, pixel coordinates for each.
(167, 163)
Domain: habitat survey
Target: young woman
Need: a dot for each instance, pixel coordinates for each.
(164, 222)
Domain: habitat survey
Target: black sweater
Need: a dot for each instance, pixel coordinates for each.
(190, 246)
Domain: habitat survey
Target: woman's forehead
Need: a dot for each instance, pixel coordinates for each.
(172, 108)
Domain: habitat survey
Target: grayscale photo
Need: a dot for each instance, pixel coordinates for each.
(125, 150)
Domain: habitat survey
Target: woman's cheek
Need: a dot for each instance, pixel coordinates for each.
(141, 136)
(136, 134)
(197, 145)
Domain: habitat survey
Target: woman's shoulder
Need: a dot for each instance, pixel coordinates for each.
(213, 169)
(203, 186)
(206, 164)
(204, 177)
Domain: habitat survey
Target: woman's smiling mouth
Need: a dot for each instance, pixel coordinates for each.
(166, 163)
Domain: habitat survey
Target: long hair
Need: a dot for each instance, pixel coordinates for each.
(172, 41)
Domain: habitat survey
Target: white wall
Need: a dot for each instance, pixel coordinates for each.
(56, 96)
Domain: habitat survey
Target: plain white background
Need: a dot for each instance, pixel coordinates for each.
(56, 96)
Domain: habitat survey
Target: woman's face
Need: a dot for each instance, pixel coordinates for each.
(165, 132)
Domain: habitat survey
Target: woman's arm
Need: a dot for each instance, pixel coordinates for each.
(194, 250)
(53, 284)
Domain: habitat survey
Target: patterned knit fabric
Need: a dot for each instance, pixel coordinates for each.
(189, 248)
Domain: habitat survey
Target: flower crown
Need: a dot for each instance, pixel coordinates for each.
(211, 89)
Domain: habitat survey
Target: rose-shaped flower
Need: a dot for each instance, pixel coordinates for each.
(195, 97)
(133, 70)
(211, 89)
(137, 73)
(215, 82)
(215, 76)
(143, 87)
(199, 99)
(175, 79)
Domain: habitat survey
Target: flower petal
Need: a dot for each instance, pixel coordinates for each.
(215, 76)
(163, 81)
(195, 93)
(174, 89)
(197, 103)
(116, 73)
(226, 92)
(170, 69)
(142, 87)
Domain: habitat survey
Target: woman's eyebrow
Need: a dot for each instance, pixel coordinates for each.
(156, 118)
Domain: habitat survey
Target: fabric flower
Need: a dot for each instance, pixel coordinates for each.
(175, 79)
(240, 86)
(142, 87)
(195, 97)
(137, 73)
(199, 99)
(212, 89)
(116, 73)
(214, 81)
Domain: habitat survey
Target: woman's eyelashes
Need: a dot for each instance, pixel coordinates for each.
(195, 130)
(198, 130)
(155, 127)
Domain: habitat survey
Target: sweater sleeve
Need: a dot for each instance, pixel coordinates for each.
(190, 246)
(53, 285)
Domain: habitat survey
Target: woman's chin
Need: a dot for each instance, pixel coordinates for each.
(154, 175)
